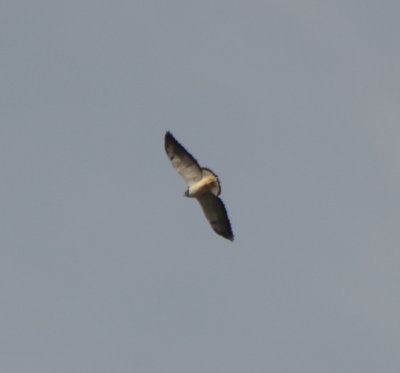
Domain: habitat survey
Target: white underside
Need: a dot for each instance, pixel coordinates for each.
(207, 183)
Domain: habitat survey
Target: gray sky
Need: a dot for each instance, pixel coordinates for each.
(106, 268)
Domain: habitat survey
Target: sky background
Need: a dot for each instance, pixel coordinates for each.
(104, 267)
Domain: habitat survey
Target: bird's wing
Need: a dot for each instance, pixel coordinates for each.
(216, 214)
(182, 160)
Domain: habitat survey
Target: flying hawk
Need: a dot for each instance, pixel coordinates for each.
(202, 184)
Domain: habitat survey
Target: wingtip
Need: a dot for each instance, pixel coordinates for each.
(230, 237)
(168, 138)
(227, 233)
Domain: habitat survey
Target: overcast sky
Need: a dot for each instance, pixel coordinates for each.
(105, 267)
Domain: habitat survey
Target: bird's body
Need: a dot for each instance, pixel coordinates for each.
(208, 183)
(202, 184)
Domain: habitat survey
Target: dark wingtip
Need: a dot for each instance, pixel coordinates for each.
(229, 235)
(172, 142)
(230, 238)
(168, 139)
(168, 136)
(226, 232)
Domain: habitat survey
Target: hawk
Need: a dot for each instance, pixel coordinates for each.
(203, 184)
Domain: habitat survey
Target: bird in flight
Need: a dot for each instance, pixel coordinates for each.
(203, 184)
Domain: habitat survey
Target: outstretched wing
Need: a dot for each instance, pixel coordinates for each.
(216, 214)
(182, 160)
